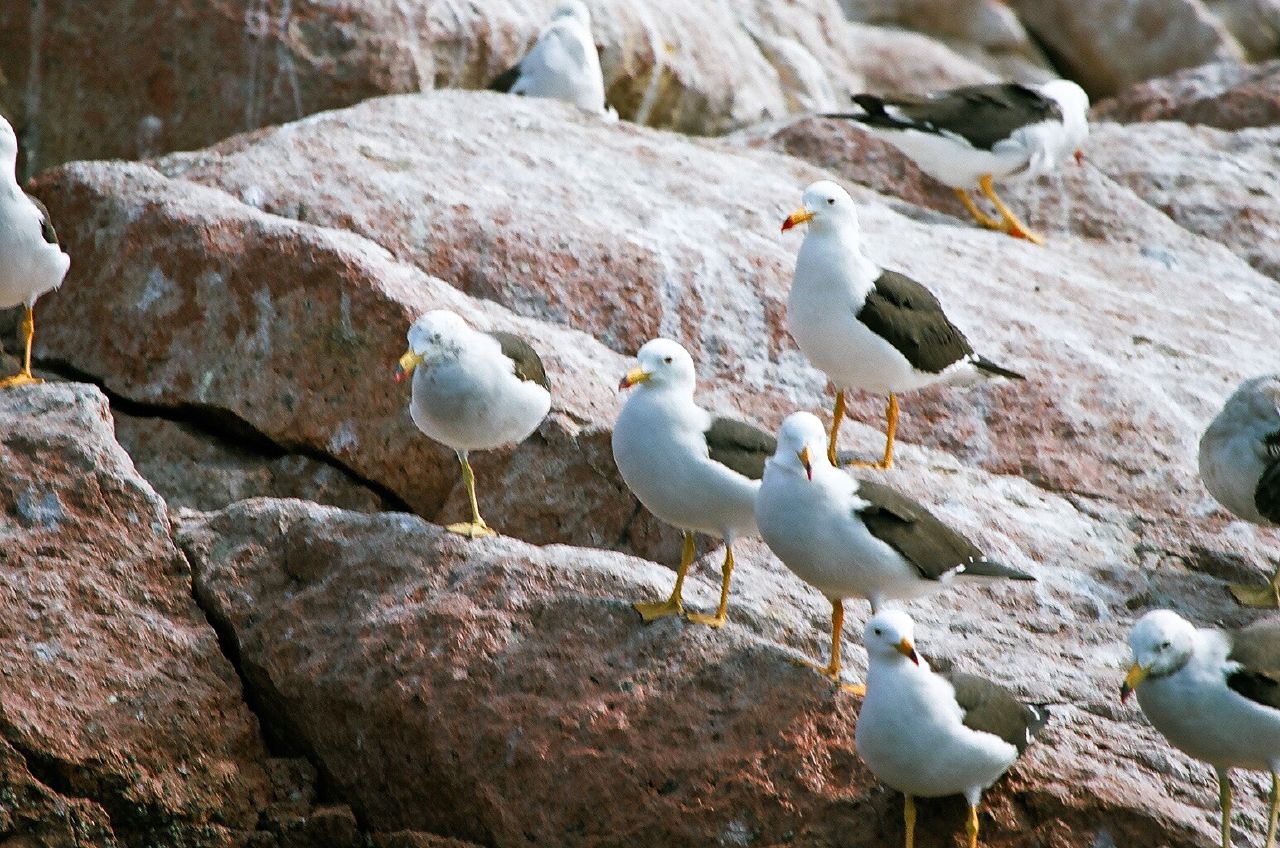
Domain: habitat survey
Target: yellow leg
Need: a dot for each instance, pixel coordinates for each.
(1275, 810)
(1266, 596)
(1224, 800)
(832, 669)
(672, 605)
(475, 528)
(891, 420)
(983, 219)
(726, 574)
(1012, 225)
(971, 827)
(837, 415)
(24, 377)
(909, 819)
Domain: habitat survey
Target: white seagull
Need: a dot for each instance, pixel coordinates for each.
(472, 391)
(1214, 694)
(854, 538)
(928, 734)
(31, 262)
(1240, 466)
(563, 64)
(969, 136)
(694, 470)
(867, 327)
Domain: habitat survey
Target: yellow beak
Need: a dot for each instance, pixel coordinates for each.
(908, 650)
(803, 456)
(634, 377)
(408, 362)
(1136, 675)
(800, 216)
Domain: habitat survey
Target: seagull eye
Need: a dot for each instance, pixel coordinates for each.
(668, 360)
(1164, 646)
(831, 201)
(879, 632)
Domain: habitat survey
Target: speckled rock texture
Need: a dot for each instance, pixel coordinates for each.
(1226, 95)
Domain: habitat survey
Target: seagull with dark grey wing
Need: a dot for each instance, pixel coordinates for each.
(563, 64)
(31, 262)
(1240, 466)
(967, 137)
(852, 538)
(866, 327)
(928, 734)
(472, 391)
(1214, 694)
(694, 470)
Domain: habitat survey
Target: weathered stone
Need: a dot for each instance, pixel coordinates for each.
(114, 687)
(1227, 95)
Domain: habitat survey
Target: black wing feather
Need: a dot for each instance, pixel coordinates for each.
(1266, 497)
(46, 223)
(991, 708)
(739, 446)
(924, 541)
(982, 115)
(908, 316)
(1257, 649)
(506, 80)
(528, 364)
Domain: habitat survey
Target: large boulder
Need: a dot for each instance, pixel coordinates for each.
(1226, 95)
(117, 79)
(120, 720)
(508, 694)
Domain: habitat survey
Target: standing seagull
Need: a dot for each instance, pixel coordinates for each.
(31, 262)
(854, 538)
(472, 391)
(928, 734)
(866, 327)
(562, 65)
(1240, 466)
(968, 136)
(692, 469)
(1214, 694)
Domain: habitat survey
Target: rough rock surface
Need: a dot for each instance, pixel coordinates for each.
(119, 717)
(117, 79)
(1106, 45)
(1227, 95)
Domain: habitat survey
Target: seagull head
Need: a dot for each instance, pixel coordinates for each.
(1162, 642)
(662, 362)
(435, 335)
(890, 635)
(575, 9)
(8, 142)
(824, 206)
(1074, 103)
(802, 443)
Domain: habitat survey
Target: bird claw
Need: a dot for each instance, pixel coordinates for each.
(472, 529)
(1266, 596)
(716, 621)
(1019, 232)
(652, 612)
(22, 379)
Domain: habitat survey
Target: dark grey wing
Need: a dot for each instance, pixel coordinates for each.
(740, 446)
(991, 708)
(46, 223)
(1257, 649)
(931, 546)
(908, 316)
(982, 115)
(1266, 497)
(527, 362)
(506, 80)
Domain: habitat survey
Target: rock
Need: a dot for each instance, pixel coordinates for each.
(120, 719)
(193, 467)
(623, 233)
(1254, 23)
(1226, 95)
(134, 79)
(495, 691)
(1106, 45)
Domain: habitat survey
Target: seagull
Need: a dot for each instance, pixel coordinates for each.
(865, 326)
(1240, 466)
(928, 734)
(562, 65)
(1214, 694)
(855, 538)
(31, 262)
(472, 391)
(697, 471)
(968, 136)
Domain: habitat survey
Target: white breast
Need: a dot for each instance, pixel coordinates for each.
(29, 265)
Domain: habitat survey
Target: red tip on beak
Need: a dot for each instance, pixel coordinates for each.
(1079, 157)
(788, 224)
(400, 374)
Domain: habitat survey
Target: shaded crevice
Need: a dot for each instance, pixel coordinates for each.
(223, 426)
